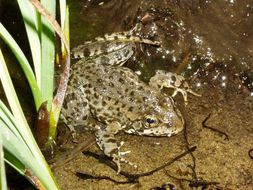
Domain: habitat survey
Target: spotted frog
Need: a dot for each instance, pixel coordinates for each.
(107, 97)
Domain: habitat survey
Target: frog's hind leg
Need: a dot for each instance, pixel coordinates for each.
(116, 58)
(128, 36)
(171, 80)
(105, 137)
(107, 44)
(75, 109)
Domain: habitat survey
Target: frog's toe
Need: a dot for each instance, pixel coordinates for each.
(118, 159)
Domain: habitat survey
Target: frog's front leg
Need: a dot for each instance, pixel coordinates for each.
(171, 80)
(105, 137)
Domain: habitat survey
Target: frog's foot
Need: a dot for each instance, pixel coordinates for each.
(73, 132)
(163, 79)
(118, 158)
(183, 91)
(105, 137)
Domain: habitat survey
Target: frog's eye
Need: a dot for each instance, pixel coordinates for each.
(150, 120)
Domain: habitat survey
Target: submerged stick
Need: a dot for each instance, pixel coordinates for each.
(131, 178)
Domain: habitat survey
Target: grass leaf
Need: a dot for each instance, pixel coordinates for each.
(17, 136)
(3, 182)
(48, 54)
(32, 23)
(4, 34)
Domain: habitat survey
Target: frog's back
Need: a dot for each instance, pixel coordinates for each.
(112, 91)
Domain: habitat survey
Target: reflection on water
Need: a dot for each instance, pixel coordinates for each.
(198, 37)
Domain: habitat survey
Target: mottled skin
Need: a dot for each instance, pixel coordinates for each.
(114, 98)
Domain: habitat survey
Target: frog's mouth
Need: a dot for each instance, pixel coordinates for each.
(164, 130)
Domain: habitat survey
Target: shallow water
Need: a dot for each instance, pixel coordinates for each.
(211, 44)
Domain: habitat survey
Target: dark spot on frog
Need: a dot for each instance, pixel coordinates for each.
(140, 88)
(84, 117)
(121, 81)
(103, 103)
(106, 136)
(119, 114)
(116, 102)
(99, 110)
(96, 96)
(99, 80)
(130, 99)
(86, 52)
(128, 36)
(115, 37)
(118, 43)
(111, 140)
(144, 99)
(65, 106)
(106, 114)
(118, 56)
(95, 103)
(173, 78)
(111, 84)
(131, 93)
(130, 109)
(85, 104)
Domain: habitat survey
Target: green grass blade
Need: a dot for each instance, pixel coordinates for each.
(3, 182)
(4, 34)
(19, 155)
(12, 97)
(32, 23)
(58, 98)
(64, 17)
(24, 133)
(48, 54)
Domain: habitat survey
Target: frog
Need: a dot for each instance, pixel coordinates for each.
(108, 98)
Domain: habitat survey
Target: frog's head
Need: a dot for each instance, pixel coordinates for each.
(161, 119)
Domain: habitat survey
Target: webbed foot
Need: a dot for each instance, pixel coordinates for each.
(105, 137)
(163, 79)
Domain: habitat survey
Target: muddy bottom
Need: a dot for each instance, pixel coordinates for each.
(221, 159)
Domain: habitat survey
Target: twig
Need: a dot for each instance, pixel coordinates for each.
(193, 183)
(133, 178)
(193, 157)
(68, 156)
(213, 129)
(250, 152)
